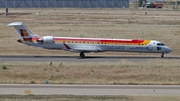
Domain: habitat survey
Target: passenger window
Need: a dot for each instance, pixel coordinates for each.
(158, 48)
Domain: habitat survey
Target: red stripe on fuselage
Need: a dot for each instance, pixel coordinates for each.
(123, 41)
(77, 39)
(91, 40)
(100, 40)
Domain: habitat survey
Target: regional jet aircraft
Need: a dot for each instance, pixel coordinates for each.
(85, 45)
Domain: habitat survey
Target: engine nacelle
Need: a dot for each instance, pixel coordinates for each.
(46, 40)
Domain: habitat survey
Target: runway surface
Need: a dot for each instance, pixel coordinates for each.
(78, 59)
(49, 89)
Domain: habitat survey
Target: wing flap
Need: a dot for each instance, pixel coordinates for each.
(83, 49)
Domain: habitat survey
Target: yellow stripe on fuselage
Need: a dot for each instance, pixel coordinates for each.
(146, 42)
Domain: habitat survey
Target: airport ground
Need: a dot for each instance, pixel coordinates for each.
(150, 72)
(158, 24)
(86, 98)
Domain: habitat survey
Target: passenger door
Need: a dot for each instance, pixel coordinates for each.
(152, 46)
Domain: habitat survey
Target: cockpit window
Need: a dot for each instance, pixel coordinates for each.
(160, 44)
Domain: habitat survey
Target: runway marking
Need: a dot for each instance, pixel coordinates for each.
(27, 92)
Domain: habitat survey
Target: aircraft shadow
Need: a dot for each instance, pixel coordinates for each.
(91, 57)
(129, 57)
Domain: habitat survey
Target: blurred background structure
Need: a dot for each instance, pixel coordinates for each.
(170, 4)
(64, 3)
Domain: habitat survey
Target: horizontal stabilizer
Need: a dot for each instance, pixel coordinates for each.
(15, 24)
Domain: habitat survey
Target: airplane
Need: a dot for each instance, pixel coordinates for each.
(85, 45)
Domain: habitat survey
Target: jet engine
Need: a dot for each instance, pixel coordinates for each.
(46, 40)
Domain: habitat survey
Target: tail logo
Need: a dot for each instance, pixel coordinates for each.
(23, 32)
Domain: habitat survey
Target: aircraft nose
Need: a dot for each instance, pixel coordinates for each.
(168, 50)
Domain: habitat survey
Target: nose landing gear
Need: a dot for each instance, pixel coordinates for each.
(162, 56)
(82, 55)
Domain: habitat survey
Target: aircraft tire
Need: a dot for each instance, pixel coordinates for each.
(162, 56)
(82, 55)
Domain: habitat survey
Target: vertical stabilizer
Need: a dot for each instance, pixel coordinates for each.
(22, 30)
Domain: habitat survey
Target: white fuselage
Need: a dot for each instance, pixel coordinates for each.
(151, 47)
(83, 45)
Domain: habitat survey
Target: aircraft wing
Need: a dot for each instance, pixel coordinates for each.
(85, 50)
(81, 49)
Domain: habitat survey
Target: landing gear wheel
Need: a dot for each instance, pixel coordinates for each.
(82, 55)
(162, 56)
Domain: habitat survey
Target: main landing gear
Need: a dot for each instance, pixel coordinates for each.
(162, 56)
(82, 55)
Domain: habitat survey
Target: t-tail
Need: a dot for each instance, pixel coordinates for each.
(22, 31)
